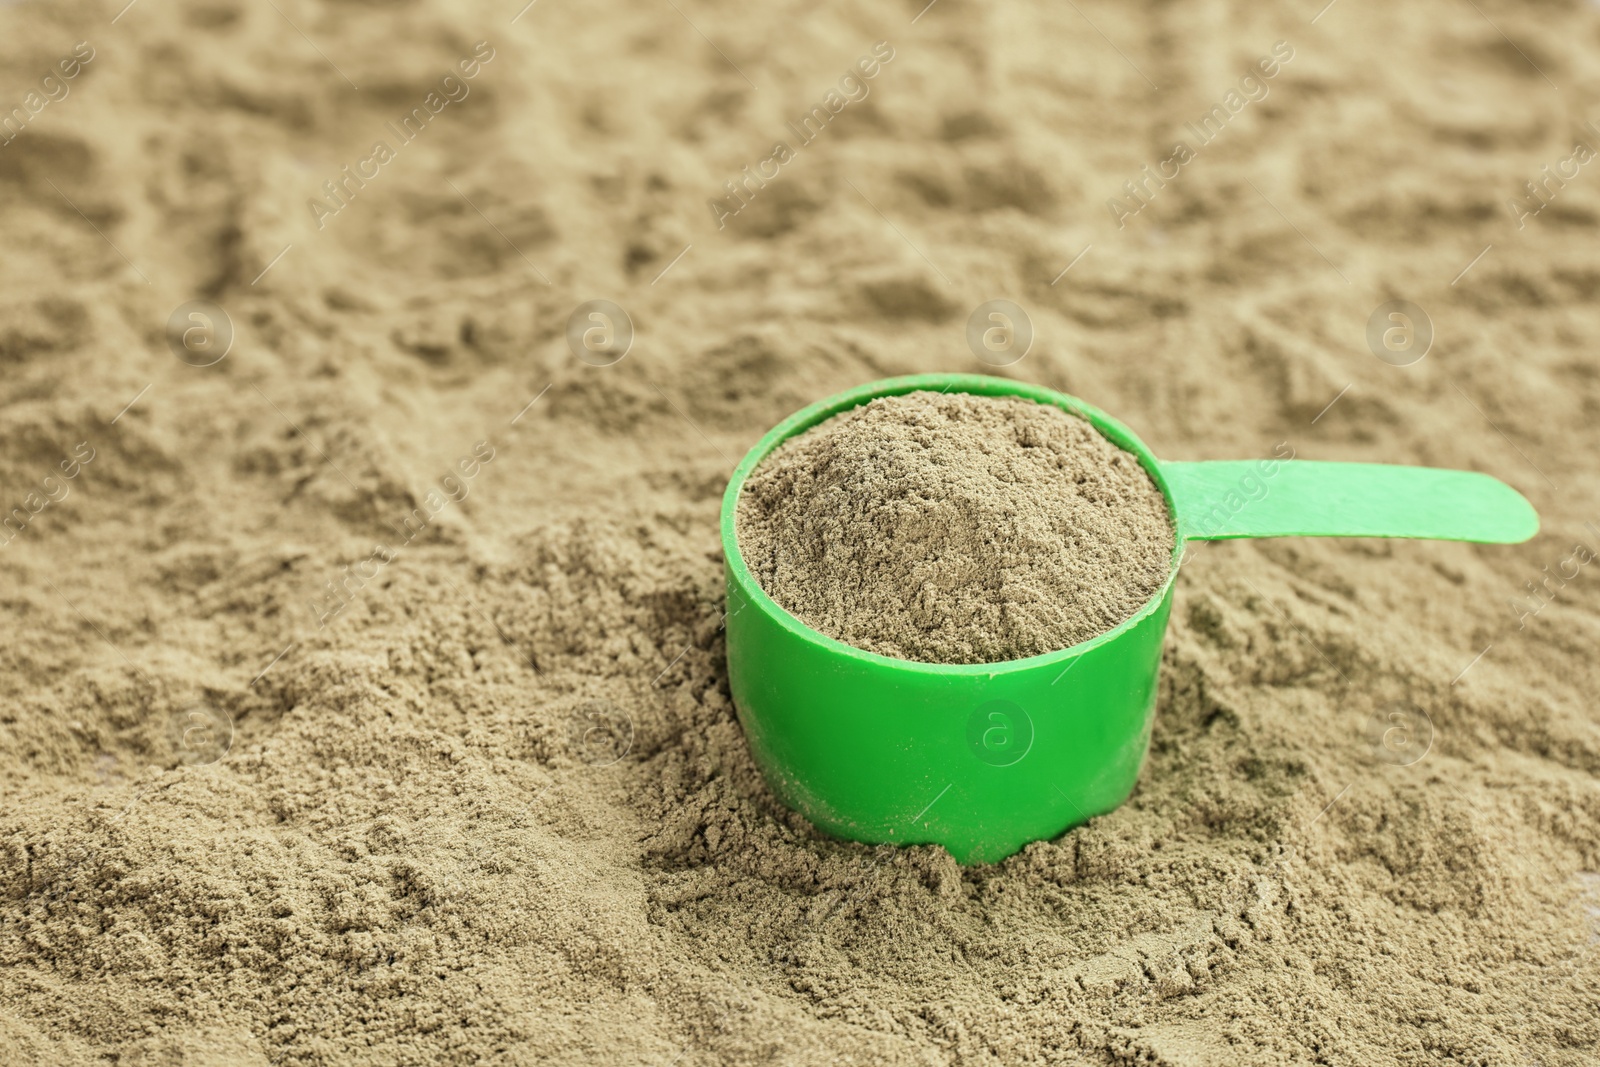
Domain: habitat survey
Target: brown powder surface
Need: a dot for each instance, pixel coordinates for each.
(955, 528)
(498, 808)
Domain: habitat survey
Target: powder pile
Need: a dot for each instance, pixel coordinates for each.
(499, 810)
(955, 528)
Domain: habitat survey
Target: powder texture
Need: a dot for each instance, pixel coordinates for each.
(955, 528)
(499, 810)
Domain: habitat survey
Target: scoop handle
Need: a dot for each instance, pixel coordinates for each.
(1305, 498)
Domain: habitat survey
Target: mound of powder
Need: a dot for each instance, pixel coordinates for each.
(955, 528)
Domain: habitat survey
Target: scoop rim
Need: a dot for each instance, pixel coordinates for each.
(980, 385)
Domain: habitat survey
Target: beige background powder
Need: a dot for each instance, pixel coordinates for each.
(431, 839)
(953, 528)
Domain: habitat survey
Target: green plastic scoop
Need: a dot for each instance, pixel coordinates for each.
(984, 758)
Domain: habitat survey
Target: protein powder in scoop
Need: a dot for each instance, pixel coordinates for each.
(956, 528)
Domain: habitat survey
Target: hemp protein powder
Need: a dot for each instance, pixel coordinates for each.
(955, 528)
